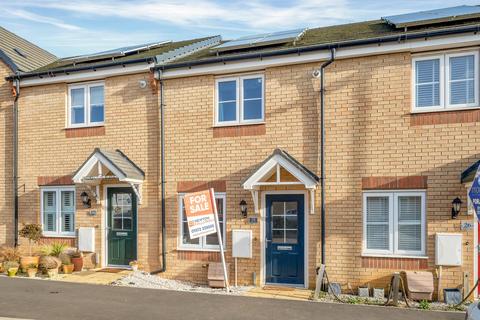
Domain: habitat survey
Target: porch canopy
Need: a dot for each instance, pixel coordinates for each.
(104, 165)
(281, 169)
(469, 173)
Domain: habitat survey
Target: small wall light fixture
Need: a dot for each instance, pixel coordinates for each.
(456, 204)
(87, 203)
(243, 208)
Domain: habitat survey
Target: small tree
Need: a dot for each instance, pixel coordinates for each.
(32, 232)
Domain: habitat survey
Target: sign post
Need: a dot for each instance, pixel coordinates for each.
(202, 218)
(474, 193)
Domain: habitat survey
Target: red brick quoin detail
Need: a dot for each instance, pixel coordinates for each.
(444, 117)
(239, 131)
(193, 186)
(84, 132)
(54, 180)
(199, 256)
(392, 183)
(394, 263)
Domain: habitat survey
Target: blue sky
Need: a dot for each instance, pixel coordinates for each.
(72, 27)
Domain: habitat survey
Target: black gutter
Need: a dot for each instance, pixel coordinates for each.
(322, 148)
(162, 178)
(52, 73)
(15, 160)
(334, 45)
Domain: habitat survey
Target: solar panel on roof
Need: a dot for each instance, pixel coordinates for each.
(433, 16)
(119, 52)
(261, 40)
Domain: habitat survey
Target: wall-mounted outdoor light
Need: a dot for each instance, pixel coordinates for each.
(456, 204)
(243, 208)
(87, 203)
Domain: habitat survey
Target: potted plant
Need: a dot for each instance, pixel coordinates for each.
(49, 261)
(68, 267)
(32, 270)
(134, 265)
(11, 267)
(32, 232)
(77, 260)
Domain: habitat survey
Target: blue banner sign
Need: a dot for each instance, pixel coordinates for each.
(474, 193)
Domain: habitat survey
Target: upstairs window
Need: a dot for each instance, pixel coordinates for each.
(58, 211)
(239, 100)
(86, 105)
(446, 81)
(394, 223)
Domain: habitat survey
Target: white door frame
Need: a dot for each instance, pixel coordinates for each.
(263, 213)
(105, 224)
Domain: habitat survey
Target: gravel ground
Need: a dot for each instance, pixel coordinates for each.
(141, 279)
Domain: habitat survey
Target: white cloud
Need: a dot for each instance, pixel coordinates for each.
(42, 19)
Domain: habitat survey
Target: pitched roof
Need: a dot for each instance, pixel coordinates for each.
(20, 54)
(164, 52)
(330, 35)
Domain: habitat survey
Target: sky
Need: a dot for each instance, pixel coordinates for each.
(74, 27)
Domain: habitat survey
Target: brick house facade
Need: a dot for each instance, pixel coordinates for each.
(376, 146)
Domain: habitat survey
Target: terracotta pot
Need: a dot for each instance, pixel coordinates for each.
(68, 268)
(28, 260)
(52, 273)
(77, 263)
(32, 272)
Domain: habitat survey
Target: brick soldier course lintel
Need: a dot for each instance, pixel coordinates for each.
(239, 131)
(392, 183)
(54, 180)
(84, 132)
(210, 256)
(444, 117)
(394, 263)
(193, 186)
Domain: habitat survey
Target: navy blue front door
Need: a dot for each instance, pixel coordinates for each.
(285, 239)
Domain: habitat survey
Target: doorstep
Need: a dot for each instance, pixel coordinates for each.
(92, 277)
(280, 293)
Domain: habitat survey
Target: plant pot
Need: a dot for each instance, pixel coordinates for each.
(12, 272)
(77, 263)
(28, 260)
(68, 268)
(134, 267)
(32, 272)
(52, 273)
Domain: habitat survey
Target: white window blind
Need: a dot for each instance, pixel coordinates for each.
(58, 211)
(462, 80)
(427, 83)
(394, 223)
(378, 221)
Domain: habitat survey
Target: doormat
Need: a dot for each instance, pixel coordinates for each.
(278, 288)
(111, 270)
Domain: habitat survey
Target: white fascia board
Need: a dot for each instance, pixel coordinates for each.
(259, 174)
(87, 75)
(90, 164)
(418, 45)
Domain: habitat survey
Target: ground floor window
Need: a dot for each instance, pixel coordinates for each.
(209, 242)
(394, 223)
(58, 211)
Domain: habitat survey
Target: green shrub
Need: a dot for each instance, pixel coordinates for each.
(32, 232)
(10, 264)
(424, 305)
(54, 249)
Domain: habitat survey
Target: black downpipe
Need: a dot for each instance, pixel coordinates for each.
(322, 147)
(15, 160)
(162, 165)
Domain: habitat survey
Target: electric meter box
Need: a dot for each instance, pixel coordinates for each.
(448, 249)
(242, 243)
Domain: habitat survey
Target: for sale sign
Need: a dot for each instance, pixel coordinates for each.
(200, 211)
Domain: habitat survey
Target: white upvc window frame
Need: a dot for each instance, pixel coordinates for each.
(239, 100)
(87, 110)
(58, 194)
(202, 246)
(444, 75)
(393, 223)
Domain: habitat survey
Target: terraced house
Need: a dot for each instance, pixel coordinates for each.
(109, 143)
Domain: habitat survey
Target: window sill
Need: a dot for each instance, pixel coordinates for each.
(58, 235)
(393, 256)
(238, 124)
(200, 249)
(448, 109)
(85, 126)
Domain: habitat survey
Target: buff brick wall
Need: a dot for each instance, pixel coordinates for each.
(131, 116)
(370, 133)
(6, 164)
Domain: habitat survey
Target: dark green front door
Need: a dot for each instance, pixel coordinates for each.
(122, 226)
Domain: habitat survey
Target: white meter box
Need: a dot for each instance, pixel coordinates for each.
(448, 249)
(241, 243)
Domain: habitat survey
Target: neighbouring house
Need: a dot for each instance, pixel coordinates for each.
(16, 55)
(106, 139)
